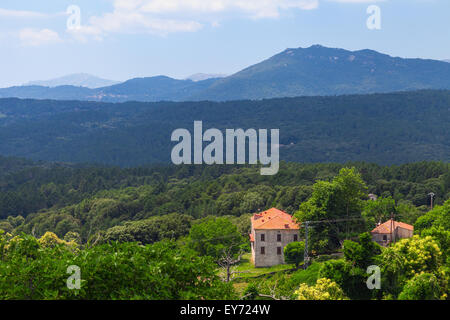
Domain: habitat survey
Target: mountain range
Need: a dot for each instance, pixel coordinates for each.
(312, 71)
(76, 79)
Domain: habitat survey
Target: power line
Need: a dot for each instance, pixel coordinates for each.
(307, 226)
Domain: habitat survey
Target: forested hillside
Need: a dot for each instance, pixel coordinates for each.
(85, 200)
(138, 224)
(382, 128)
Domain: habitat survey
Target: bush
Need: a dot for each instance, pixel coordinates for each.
(325, 289)
(423, 286)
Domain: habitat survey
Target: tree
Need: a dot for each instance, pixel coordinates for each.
(163, 270)
(212, 236)
(294, 253)
(379, 210)
(73, 237)
(438, 217)
(409, 257)
(361, 254)
(171, 226)
(50, 240)
(228, 260)
(339, 199)
(325, 289)
(423, 286)
(252, 202)
(352, 280)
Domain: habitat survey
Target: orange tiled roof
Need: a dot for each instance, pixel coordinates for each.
(386, 227)
(273, 219)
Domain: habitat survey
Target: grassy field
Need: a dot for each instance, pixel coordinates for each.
(249, 274)
(249, 271)
(288, 279)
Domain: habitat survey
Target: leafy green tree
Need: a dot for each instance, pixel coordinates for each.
(72, 236)
(252, 202)
(423, 286)
(438, 217)
(171, 226)
(165, 270)
(294, 253)
(409, 257)
(361, 254)
(339, 199)
(213, 236)
(379, 210)
(351, 279)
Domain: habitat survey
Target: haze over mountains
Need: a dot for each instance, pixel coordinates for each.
(205, 76)
(76, 79)
(312, 71)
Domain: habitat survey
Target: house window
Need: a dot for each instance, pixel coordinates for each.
(263, 237)
(279, 237)
(295, 237)
(385, 238)
(278, 250)
(263, 250)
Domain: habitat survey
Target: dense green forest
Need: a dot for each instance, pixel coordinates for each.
(40, 197)
(168, 232)
(391, 128)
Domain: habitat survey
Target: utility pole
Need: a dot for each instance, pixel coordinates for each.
(431, 194)
(307, 225)
(392, 228)
(306, 257)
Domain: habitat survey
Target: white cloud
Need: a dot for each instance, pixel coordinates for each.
(168, 16)
(357, 1)
(164, 16)
(5, 13)
(253, 8)
(33, 37)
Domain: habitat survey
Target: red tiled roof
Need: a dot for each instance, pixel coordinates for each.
(273, 219)
(386, 227)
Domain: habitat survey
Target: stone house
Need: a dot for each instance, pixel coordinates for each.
(271, 231)
(391, 231)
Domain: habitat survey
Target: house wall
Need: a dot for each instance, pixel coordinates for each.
(271, 258)
(378, 238)
(403, 233)
(400, 233)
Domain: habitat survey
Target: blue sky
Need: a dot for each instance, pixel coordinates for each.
(122, 39)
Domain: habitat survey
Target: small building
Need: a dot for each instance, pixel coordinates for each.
(391, 231)
(271, 231)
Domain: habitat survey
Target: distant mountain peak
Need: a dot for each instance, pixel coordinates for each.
(311, 71)
(76, 79)
(205, 76)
